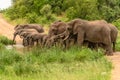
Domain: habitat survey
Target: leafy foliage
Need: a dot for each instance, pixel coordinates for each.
(34, 10)
(54, 62)
(4, 40)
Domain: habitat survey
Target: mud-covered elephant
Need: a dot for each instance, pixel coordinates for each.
(92, 31)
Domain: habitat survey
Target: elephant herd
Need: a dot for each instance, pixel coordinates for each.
(92, 34)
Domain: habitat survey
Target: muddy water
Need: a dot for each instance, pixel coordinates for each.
(19, 47)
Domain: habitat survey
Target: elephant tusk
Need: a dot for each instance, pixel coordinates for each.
(65, 38)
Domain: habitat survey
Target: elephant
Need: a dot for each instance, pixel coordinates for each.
(45, 40)
(37, 27)
(58, 31)
(57, 27)
(113, 34)
(92, 31)
(35, 37)
(59, 39)
(25, 42)
(22, 32)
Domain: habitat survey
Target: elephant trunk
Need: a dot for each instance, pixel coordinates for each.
(14, 37)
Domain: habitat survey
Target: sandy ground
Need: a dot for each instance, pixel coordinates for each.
(7, 30)
(115, 59)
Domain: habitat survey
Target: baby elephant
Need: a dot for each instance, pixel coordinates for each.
(36, 38)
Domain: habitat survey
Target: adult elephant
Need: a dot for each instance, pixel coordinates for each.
(57, 27)
(92, 31)
(37, 27)
(113, 34)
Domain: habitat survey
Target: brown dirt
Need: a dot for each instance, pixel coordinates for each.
(115, 59)
(7, 30)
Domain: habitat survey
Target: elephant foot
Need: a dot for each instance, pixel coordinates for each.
(109, 54)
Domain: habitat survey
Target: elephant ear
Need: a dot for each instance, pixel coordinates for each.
(73, 23)
(76, 28)
(16, 26)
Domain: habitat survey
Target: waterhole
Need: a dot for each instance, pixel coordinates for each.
(18, 47)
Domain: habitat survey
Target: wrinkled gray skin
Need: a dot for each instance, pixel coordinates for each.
(92, 31)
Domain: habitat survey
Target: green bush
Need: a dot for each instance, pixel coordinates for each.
(70, 13)
(4, 40)
(117, 23)
(31, 17)
(1, 46)
(8, 57)
(54, 63)
(117, 44)
(24, 68)
(56, 54)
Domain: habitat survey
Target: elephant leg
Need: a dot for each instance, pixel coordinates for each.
(31, 42)
(14, 37)
(113, 46)
(109, 50)
(66, 43)
(43, 42)
(25, 42)
(28, 41)
(80, 38)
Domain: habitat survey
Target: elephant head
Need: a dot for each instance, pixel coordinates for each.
(37, 27)
(57, 28)
(73, 25)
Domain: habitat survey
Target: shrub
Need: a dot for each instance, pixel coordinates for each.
(56, 54)
(24, 68)
(46, 9)
(117, 23)
(70, 13)
(8, 57)
(4, 40)
(31, 17)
